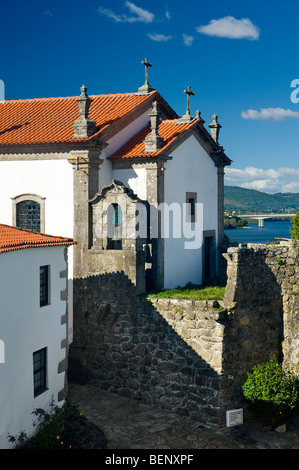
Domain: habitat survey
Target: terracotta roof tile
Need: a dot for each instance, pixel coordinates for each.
(50, 120)
(168, 129)
(15, 238)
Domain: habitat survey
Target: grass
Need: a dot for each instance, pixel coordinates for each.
(191, 292)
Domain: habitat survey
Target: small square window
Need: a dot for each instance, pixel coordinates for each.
(44, 293)
(40, 371)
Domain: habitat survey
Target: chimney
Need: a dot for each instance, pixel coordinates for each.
(154, 141)
(84, 127)
(215, 128)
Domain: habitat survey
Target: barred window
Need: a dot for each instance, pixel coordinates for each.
(28, 215)
(44, 291)
(40, 371)
(28, 212)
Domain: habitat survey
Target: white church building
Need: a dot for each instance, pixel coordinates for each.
(58, 155)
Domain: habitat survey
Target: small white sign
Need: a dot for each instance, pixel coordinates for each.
(234, 417)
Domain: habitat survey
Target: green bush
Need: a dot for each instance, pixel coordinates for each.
(58, 428)
(271, 390)
(295, 227)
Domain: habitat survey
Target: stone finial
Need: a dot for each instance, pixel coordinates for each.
(84, 127)
(198, 117)
(215, 128)
(154, 141)
(146, 88)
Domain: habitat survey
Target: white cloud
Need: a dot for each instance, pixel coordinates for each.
(230, 27)
(142, 15)
(159, 37)
(270, 181)
(188, 40)
(272, 114)
(110, 14)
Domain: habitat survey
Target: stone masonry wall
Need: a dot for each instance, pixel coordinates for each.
(190, 357)
(167, 352)
(262, 291)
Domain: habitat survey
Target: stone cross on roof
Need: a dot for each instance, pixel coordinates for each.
(188, 92)
(147, 65)
(187, 117)
(146, 88)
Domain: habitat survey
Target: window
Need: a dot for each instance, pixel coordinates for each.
(209, 255)
(40, 371)
(28, 215)
(28, 212)
(191, 199)
(114, 227)
(44, 291)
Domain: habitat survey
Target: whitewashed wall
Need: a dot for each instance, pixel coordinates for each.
(106, 174)
(25, 328)
(190, 170)
(52, 179)
(134, 178)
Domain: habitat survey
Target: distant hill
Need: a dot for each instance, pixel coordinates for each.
(244, 200)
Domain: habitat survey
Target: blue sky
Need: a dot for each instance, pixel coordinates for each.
(240, 58)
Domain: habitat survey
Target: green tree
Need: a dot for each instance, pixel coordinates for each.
(295, 227)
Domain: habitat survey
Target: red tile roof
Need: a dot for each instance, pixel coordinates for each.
(168, 129)
(14, 238)
(50, 120)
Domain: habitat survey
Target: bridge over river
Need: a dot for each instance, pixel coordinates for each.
(261, 217)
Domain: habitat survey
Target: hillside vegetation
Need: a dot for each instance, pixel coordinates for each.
(244, 200)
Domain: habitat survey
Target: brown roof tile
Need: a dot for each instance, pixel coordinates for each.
(50, 120)
(168, 129)
(15, 238)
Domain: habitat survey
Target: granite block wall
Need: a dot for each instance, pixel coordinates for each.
(191, 357)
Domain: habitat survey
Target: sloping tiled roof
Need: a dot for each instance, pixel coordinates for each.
(168, 129)
(14, 238)
(50, 120)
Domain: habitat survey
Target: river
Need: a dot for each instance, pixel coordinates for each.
(253, 234)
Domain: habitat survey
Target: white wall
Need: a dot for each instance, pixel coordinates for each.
(134, 178)
(190, 170)
(52, 179)
(25, 328)
(106, 174)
